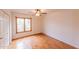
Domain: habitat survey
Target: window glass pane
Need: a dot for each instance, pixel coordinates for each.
(27, 25)
(20, 24)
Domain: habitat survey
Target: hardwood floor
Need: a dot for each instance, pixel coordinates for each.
(39, 41)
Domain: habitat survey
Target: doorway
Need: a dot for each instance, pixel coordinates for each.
(4, 29)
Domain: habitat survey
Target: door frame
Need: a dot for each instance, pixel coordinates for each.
(3, 12)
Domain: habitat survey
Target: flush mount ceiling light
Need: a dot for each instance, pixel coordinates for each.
(39, 12)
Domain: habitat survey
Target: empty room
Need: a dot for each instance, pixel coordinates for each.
(39, 28)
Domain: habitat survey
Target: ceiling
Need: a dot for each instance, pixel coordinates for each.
(28, 11)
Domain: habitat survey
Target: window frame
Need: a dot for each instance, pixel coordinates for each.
(24, 24)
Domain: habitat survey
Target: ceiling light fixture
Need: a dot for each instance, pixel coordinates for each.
(38, 12)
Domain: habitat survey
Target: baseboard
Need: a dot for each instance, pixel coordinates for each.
(26, 36)
(47, 36)
(58, 40)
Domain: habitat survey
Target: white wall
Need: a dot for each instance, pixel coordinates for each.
(0, 25)
(36, 25)
(63, 25)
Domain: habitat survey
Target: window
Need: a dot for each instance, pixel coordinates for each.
(23, 24)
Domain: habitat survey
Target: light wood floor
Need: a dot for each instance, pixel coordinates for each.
(39, 41)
